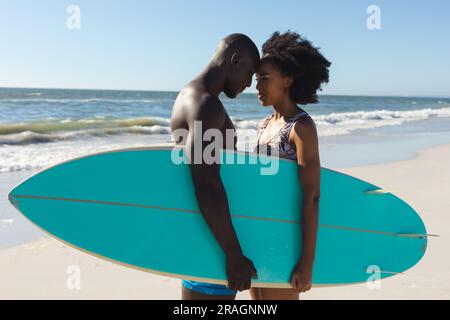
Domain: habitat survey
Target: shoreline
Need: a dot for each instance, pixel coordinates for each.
(38, 269)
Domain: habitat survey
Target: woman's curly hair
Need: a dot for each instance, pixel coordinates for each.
(295, 57)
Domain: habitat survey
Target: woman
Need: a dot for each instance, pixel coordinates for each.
(290, 73)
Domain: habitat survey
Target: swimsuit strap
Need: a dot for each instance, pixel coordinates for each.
(284, 145)
(285, 131)
(263, 126)
(282, 137)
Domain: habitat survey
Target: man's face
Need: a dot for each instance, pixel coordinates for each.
(240, 77)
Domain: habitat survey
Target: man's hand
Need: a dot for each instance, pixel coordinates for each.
(301, 277)
(240, 271)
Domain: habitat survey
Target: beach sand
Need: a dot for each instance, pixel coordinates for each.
(39, 270)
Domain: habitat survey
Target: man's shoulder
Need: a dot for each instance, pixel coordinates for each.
(210, 110)
(204, 99)
(197, 97)
(200, 102)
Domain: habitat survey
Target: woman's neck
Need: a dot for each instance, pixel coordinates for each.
(285, 108)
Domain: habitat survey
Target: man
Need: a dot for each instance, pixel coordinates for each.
(230, 71)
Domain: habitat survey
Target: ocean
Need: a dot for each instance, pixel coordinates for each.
(41, 127)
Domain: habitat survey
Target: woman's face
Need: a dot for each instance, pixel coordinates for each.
(272, 85)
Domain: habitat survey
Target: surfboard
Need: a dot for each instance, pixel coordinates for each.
(137, 207)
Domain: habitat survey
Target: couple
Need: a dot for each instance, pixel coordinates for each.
(289, 73)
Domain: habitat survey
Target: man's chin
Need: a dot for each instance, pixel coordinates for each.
(231, 95)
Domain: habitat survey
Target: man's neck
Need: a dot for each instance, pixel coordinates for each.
(212, 79)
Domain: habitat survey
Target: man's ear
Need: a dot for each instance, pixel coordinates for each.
(235, 59)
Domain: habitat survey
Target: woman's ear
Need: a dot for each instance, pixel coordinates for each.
(288, 81)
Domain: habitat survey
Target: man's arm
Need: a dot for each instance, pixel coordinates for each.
(211, 195)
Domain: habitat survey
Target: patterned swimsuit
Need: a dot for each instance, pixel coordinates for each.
(279, 141)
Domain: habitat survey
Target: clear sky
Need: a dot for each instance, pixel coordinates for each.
(162, 44)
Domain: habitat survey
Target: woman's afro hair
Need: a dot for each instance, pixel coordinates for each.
(295, 57)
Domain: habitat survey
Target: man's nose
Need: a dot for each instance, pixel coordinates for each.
(249, 83)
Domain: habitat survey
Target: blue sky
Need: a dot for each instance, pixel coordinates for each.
(161, 45)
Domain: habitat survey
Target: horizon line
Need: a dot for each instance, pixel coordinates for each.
(174, 91)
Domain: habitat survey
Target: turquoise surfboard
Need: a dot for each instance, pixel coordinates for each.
(137, 207)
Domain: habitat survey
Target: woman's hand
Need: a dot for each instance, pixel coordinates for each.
(301, 277)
